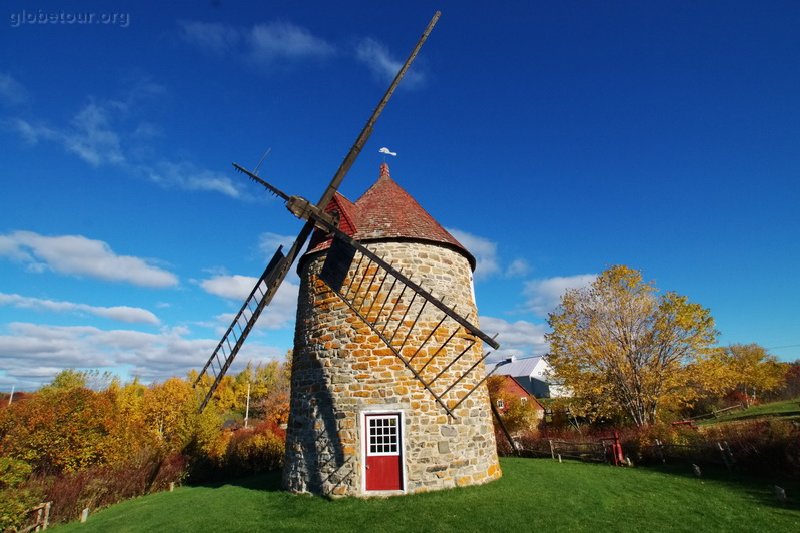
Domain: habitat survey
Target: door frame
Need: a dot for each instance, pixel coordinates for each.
(362, 419)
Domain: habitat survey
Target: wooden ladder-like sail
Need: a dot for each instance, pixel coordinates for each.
(242, 324)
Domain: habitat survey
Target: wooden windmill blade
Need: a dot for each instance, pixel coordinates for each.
(223, 355)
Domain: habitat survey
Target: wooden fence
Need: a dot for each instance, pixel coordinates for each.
(609, 450)
(40, 516)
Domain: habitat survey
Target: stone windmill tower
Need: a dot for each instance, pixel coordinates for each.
(361, 421)
(388, 390)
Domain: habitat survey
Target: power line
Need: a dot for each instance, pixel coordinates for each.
(787, 346)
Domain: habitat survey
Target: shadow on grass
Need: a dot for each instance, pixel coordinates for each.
(760, 488)
(264, 481)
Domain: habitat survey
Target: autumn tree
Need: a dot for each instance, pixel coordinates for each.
(270, 398)
(754, 370)
(129, 431)
(792, 389)
(518, 415)
(619, 345)
(168, 410)
(58, 431)
(709, 379)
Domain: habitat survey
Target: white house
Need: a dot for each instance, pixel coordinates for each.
(533, 373)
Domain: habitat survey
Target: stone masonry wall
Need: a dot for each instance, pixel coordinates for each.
(341, 369)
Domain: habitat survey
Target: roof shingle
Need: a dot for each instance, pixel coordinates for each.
(386, 211)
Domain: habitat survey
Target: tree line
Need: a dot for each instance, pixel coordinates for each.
(85, 426)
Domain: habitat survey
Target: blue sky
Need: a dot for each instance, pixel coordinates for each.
(553, 139)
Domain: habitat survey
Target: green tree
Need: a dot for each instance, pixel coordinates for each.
(88, 379)
(621, 346)
(66, 380)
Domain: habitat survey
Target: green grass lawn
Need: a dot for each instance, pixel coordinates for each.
(786, 409)
(534, 494)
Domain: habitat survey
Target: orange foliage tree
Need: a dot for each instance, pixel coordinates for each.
(58, 431)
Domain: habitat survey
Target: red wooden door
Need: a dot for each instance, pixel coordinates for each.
(384, 461)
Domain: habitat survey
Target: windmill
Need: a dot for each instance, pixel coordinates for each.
(350, 430)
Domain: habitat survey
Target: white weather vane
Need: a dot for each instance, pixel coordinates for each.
(385, 150)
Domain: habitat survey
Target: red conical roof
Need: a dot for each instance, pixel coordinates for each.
(386, 212)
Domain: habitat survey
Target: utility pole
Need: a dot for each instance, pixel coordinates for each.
(247, 405)
(10, 398)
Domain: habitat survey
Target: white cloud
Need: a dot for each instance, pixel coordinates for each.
(212, 37)
(31, 354)
(284, 40)
(231, 287)
(132, 315)
(145, 130)
(98, 130)
(187, 176)
(37, 372)
(11, 91)
(90, 135)
(279, 314)
(383, 66)
(32, 345)
(261, 44)
(488, 260)
(80, 256)
(484, 250)
(33, 133)
(138, 90)
(30, 133)
(105, 133)
(544, 295)
(517, 268)
(268, 242)
(520, 338)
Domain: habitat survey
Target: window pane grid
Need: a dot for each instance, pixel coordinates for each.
(382, 435)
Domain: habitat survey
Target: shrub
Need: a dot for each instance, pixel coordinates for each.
(13, 472)
(100, 486)
(247, 451)
(761, 446)
(255, 450)
(14, 506)
(15, 500)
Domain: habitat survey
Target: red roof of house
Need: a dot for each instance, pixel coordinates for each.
(386, 212)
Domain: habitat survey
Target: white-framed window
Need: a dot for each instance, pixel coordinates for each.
(523, 399)
(383, 436)
(501, 404)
